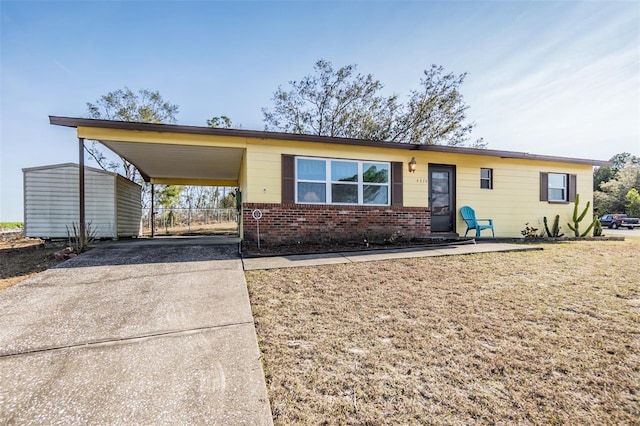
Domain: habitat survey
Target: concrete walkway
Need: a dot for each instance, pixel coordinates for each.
(373, 255)
(134, 333)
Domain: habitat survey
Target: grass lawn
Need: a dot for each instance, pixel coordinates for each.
(11, 225)
(545, 337)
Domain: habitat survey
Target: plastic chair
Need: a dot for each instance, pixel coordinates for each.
(469, 216)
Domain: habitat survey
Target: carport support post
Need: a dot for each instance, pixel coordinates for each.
(81, 189)
(153, 212)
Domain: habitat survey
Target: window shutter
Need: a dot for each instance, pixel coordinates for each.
(544, 186)
(572, 187)
(288, 179)
(396, 183)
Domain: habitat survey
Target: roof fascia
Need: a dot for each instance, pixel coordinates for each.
(258, 134)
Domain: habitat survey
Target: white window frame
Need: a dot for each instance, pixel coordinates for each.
(564, 188)
(328, 182)
(489, 179)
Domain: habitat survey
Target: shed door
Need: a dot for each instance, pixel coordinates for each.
(442, 188)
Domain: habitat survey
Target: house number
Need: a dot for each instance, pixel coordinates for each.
(421, 181)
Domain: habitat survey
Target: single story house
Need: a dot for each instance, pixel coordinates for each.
(317, 188)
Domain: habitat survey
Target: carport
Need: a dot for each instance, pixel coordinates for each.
(163, 153)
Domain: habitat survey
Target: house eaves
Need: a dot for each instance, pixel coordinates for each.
(257, 134)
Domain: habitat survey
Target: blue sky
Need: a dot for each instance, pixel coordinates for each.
(557, 78)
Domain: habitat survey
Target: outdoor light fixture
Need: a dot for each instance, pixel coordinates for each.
(412, 165)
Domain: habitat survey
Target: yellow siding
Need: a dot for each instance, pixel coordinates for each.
(513, 202)
(264, 166)
(263, 171)
(242, 185)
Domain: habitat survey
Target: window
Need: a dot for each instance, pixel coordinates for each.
(557, 187)
(328, 181)
(486, 178)
(344, 182)
(311, 180)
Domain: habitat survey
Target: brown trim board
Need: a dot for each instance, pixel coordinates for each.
(258, 134)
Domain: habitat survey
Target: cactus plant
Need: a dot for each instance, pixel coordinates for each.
(593, 224)
(554, 232)
(597, 227)
(578, 218)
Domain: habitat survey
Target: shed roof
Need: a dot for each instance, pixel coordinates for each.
(65, 166)
(47, 167)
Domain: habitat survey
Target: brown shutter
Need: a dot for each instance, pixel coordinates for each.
(572, 187)
(544, 186)
(288, 179)
(396, 183)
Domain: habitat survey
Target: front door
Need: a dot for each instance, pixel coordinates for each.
(442, 189)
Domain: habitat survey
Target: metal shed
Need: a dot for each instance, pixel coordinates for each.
(113, 203)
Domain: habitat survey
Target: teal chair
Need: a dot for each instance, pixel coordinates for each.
(469, 216)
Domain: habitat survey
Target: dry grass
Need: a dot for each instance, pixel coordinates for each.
(218, 228)
(548, 337)
(24, 258)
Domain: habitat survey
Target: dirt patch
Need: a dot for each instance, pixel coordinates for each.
(544, 337)
(252, 250)
(24, 258)
(219, 228)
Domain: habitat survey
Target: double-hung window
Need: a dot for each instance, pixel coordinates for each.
(557, 187)
(311, 180)
(344, 182)
(486, 178)
(333, 181)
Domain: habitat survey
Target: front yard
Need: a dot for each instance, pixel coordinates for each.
(545, 337)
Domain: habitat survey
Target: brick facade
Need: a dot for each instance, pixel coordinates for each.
(283, 224)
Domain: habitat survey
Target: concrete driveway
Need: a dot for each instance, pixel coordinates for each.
(134, 332)
(621, 232)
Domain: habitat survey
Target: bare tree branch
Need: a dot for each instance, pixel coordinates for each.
(342, 103)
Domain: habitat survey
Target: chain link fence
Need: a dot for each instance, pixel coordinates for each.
(188, 219)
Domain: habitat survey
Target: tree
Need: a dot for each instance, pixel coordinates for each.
(606, 173)
(624, 159)
(200, 197)
(223, 121)
(125, 105)
(168, 196)
(611, 185)
(341, 103)
(602, 175)
(633, 203)
(435, 114)
(612, 196)
(228, 201)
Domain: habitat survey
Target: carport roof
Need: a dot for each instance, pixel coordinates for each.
(218, 165)
(174, 161)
